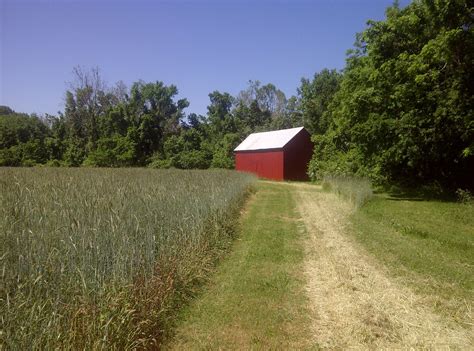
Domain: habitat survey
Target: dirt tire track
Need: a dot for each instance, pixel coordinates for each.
(355, 303)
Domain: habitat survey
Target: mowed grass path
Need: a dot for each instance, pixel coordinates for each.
(427, 244)
(310, 271)
(256, 299)
(358, 302)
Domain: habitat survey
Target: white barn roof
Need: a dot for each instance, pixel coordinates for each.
(268, 140)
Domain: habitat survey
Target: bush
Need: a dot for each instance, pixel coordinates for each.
(221, 159)
(28, 163)
(193, 159)
(465, 196)
(54, 163)
(223, 155)
(10, 157)
(74, 154)
(115, 151)
(160, 164)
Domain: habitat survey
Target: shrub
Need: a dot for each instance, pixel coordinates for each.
(465, 196)
(54, 163)
(10, 157)
(160, 164)
(191, 159)
(28, 163)
(221, 159)
(115, 151)
(74, 154)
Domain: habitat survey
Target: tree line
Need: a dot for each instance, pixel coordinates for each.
(144, 125)
(402, 110)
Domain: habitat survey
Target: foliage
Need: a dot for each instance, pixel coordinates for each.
(405, 106)
(315, 97)
(10, 157)
(223, 153)
(465, 196)
(102, 258)
(158, 163)
(184, 151)
(116, 151)
(22, 139)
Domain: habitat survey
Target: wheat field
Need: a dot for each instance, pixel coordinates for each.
(103, 258)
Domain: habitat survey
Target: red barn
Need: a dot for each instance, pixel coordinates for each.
(279, 155)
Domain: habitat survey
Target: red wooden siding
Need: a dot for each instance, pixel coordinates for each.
(289, 162)
(298, 153)
(264, 163)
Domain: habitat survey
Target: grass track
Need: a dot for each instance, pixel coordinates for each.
(262, 295)
(357, 302)
(427, 244)
(256, 300)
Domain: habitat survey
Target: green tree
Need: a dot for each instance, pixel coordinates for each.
(315, 96)
(223, 156)
(22, 138)
(405, 106)
(154, 116)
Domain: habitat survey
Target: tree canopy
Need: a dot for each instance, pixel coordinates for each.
(404, 110)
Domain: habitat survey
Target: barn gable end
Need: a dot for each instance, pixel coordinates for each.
(278, 155)
(297, 154)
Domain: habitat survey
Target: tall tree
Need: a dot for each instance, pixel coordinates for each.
(268, 98)
(154, 115)
(315, 96)
(405, 108)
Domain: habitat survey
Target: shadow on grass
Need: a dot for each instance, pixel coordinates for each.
(421, 193)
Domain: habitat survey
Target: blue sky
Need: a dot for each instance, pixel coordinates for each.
(200, 46)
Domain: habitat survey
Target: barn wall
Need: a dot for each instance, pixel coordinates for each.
(297, 154)
(265, 164)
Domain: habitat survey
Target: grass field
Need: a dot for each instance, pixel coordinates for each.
(256, 300)
(428, 244)
(102, 258)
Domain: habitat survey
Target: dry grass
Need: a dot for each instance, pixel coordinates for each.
(357, 190)
(426, 243)
(355, 302)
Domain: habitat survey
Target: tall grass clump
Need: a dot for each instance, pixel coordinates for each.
(357, 190)
(103, 258)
